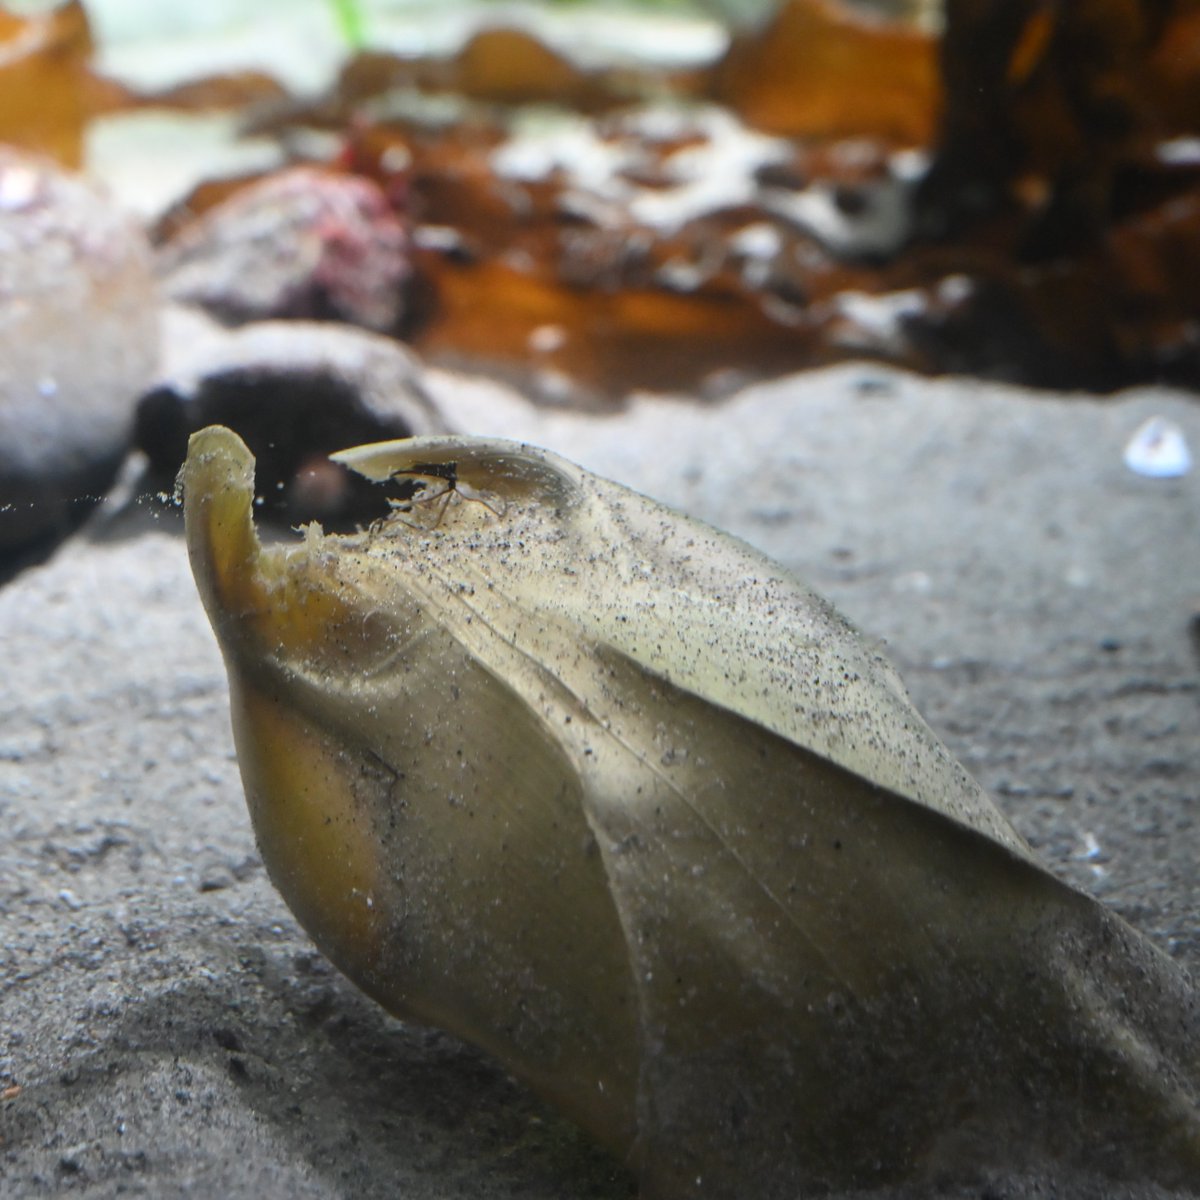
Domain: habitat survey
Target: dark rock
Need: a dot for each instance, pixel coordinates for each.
(78, 342)
(1050, 109)
(295, 391)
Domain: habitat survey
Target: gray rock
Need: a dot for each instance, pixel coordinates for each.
(303, 243)
(78, 344)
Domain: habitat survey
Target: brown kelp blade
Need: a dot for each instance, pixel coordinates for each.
(609, 793)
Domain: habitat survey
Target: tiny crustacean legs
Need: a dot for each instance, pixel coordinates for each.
(430, 488)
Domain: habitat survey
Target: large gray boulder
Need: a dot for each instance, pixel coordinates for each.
(78, 344)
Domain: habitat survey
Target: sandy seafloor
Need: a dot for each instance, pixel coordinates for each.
(171, 1030)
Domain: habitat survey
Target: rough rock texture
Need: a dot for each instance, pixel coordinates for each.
(172, 1032)
(303, 243)
(78, 343)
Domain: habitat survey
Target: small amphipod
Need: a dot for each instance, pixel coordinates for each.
(430, 488)
(611, 795)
